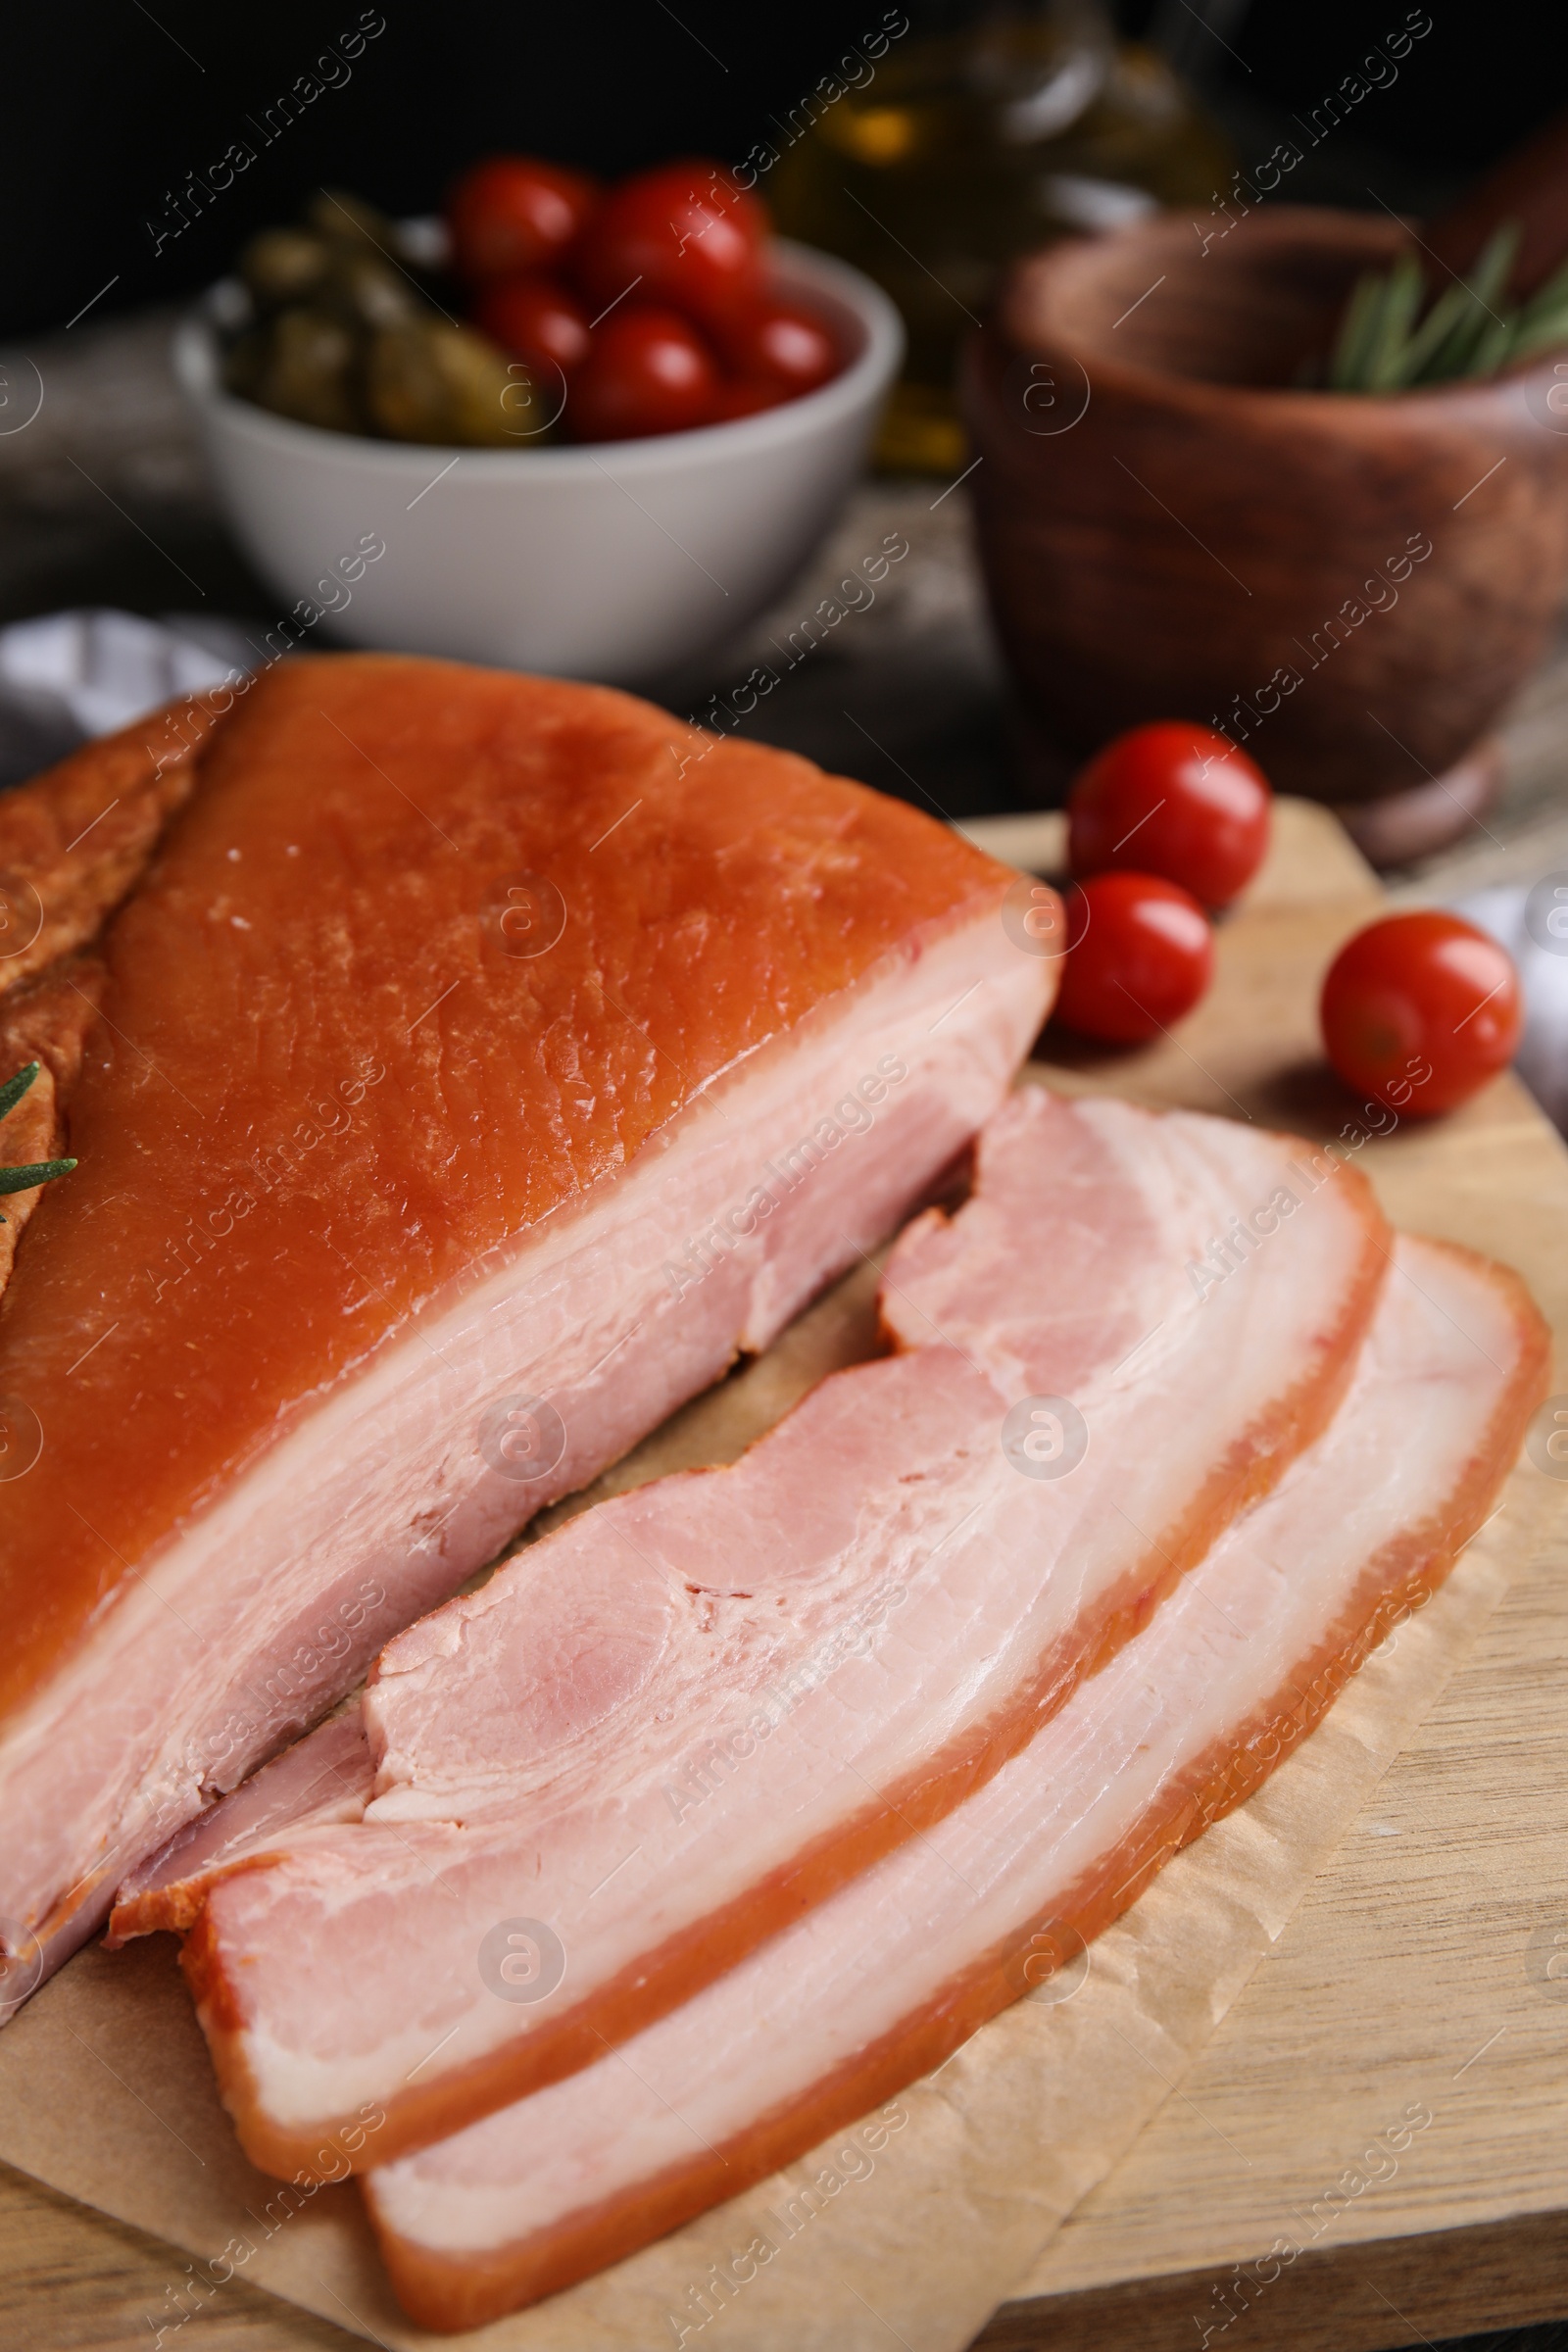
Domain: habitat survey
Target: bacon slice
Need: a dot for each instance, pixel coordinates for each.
(692, 1712)
(465, 1040)
(327, 1777)
(880, 1985)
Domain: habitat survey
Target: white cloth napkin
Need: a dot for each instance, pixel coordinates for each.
(1531, 920)
(69, 676)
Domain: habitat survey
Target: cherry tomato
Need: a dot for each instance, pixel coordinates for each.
(515, 212)
(648, 373)
(684, 235)
(1140, 955)
(1176, 799)
(745, 398)
(537, 321)
(1420, 1011)
(782, 344)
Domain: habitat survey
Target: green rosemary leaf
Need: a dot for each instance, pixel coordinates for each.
(1494, 347)
(1446, 315)
(1542, 323)
(1472, 315)
(1394, 317)
(1467, 332)
(14, 1089)
(1546, 301)
(22, 1180)
(1348, 366)
(39, 1171)
(1490, 276)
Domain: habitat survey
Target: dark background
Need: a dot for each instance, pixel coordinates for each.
(106, 106)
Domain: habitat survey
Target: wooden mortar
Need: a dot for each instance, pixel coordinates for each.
(1168, 529)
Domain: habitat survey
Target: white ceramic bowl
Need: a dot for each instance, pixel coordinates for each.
(618, 561)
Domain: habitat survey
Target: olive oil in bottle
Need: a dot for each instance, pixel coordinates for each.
(980, 134)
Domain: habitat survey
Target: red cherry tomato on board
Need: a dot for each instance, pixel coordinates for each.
(1140, 955)
(684, 235)
(1420, 1011)
(648, 373)
(536, 320)
(1172, 799)
(782, 344)
(515, 212)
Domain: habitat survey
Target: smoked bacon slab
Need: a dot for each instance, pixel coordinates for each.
(879, 1985)
(692, 1712)
(461, 1067)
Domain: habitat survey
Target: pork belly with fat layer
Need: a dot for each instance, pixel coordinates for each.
(474, 1064)
(690, 1714)
(883, 1982)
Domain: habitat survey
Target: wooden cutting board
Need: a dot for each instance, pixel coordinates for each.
(1417, 1970)
(1428, 1965)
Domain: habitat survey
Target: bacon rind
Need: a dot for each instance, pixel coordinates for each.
(79, 837)
(448, 2292)
(74, 843)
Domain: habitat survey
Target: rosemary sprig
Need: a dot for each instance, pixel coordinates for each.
(1385, 344)
(22, 1180)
